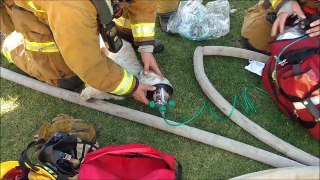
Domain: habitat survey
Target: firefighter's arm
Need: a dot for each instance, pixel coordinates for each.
(284, 9)
(76, 35)
(142, 15)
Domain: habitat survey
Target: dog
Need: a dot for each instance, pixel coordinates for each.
(127, 59)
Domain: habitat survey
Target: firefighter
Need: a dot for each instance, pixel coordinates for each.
(57, 42)
(137, 25)
(258, 32)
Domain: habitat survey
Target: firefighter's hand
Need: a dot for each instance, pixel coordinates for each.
(315, 29)
(150, 63)
(140, 93)
(278, 25)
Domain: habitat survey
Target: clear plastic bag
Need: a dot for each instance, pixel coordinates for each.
(195, 21)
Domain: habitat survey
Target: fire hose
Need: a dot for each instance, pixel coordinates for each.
(307, 172)
(237, 116)
(153, 121)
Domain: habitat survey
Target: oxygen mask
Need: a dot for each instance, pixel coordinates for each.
(161, 97)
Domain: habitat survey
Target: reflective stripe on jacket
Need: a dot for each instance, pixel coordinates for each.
(143, 30)
(46, 47)
(124, 86)
(67, 31)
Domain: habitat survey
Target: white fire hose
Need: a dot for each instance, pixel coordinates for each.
(303, 173)
(156, 122)
(238, 117)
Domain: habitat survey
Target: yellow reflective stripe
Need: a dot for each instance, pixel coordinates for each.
(143, 30)
(123, 22)
(11, 43)
(40, 47)
(125, 74)
(7, 53)
(140, 25)
(129, 86)
(275, 3)
(51, 43)
(30, 4)
(144, 34)
(125, 84)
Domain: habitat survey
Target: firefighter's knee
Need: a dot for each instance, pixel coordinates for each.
(256, 30)
(165, 6)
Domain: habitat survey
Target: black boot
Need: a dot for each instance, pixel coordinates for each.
(158, 46)
(164, 19)
(247, 45)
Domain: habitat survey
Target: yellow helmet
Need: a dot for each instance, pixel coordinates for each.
(7, 166)
(12, 170)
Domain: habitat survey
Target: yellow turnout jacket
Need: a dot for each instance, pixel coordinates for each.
(60, 41)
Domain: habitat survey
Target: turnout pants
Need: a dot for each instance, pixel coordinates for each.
(41, 60)
(126, 23)
(256, 30)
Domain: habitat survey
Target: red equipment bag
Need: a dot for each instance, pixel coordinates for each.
(133, 161)
(293, 81)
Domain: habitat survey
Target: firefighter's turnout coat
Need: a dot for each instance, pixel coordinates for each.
(58, 42)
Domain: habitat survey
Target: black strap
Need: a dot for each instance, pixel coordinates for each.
(306, 124)
(105, 14)
(179, 171)
(312, 108)
(25, 159)
(296, 69)
(298, 55)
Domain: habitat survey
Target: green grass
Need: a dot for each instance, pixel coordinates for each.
(199, 161)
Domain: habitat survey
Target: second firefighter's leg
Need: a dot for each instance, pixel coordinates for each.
(165, 9)
(256, 30)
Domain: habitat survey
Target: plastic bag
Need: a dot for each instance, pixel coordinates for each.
(195, 21)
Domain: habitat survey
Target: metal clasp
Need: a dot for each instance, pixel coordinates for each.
(67, 157)
(283, 62)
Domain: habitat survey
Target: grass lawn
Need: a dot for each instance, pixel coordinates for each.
(23, 110)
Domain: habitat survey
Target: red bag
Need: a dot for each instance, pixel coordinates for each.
(134, 161)
(294, 86)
